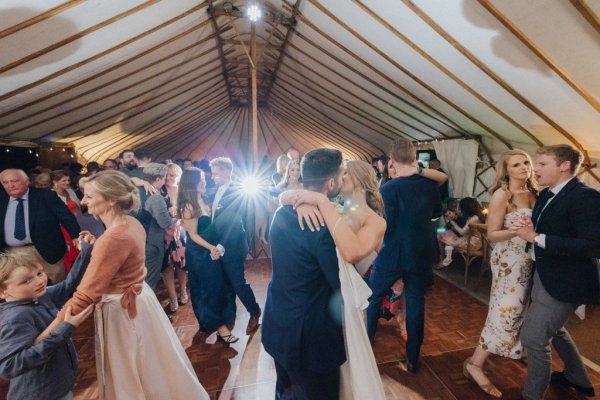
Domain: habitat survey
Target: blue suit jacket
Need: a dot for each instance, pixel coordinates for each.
(568, 265)
(46, 213)
(409, 242)
(229, 222)
(302, 318)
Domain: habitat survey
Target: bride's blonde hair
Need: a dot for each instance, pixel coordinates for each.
(363, 176)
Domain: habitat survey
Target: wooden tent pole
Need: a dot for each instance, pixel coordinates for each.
(254, 99)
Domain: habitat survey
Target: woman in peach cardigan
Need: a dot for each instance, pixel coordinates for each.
(138, 354)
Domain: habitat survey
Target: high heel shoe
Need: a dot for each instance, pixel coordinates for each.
(227, 339)
(488, 387)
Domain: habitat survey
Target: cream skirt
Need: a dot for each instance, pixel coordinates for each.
(141, 358)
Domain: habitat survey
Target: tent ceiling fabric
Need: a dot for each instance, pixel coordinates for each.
(174, 75)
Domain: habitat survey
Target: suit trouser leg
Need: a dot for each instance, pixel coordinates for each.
(234, 268)
(381, 280)
(283, 385)
(306, 385)
(414, 290)
(544, 324)
(154, 261)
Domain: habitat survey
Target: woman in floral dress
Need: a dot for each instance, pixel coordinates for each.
(515, 192)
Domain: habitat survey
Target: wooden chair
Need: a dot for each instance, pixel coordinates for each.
(471, 253)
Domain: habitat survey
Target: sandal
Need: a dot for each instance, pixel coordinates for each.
(488, 387)
(173, 306)
(183, 299)
(228, 339)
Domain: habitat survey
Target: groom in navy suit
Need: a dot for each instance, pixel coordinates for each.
(302, 322)
(409, 249)
(565, 233)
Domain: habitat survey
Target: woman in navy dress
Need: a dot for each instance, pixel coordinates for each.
(213, 299)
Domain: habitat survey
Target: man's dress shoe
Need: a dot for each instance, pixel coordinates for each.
(559, 378)
(253, 323)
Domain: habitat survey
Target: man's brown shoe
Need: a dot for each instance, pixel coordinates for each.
(253, 323)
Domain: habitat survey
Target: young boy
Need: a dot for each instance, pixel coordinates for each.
(44, 370)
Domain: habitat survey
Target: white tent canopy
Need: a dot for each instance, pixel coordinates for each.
(173, 75)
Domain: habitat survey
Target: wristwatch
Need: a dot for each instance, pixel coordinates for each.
(420, 170)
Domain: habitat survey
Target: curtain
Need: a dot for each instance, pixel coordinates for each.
(458, 158)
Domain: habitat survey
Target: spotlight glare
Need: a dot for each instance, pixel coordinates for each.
(254, 13)
(250, 185)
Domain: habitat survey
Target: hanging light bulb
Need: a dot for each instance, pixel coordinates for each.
(254, 13)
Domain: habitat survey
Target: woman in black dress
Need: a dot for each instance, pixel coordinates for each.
(213, 298)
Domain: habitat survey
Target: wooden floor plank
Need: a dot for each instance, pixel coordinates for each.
(245, 371)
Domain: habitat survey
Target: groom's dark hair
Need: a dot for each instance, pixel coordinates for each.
(318, 165)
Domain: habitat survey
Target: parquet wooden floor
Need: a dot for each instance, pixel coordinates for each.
(244, 371)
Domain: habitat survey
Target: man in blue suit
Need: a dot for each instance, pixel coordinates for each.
(228, 210)
(34, 216)
(565, 235)
(409, 249)
(302, 327)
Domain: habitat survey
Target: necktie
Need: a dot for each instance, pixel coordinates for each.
(543, 202)
(20, 221)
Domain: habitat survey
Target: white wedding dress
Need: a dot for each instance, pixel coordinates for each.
(359, 376)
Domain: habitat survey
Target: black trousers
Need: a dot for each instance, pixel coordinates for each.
(306, 385)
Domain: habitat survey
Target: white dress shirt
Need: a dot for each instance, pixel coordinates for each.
(10, 220)
(217, 199)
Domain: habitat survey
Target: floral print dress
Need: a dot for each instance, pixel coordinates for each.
(512, 269)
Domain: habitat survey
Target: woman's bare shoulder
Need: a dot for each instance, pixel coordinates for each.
(500, 194)
(376, 221)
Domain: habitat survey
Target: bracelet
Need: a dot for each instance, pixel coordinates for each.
(335, 226)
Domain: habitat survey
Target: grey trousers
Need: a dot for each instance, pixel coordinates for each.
(155, 257)
(544, 324)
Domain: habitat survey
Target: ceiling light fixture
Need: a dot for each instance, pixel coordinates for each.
(254, 13)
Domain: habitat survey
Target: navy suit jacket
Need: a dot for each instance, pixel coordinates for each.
(409, 243)
(302, 319)
(229, 221)
(568, 265)
(46, 213)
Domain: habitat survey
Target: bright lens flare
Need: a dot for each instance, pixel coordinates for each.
(254, 13)
(250, 185)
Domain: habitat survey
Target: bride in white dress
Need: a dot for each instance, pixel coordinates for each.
(357, 228)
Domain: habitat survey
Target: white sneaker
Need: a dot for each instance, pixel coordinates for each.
(447, 261)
